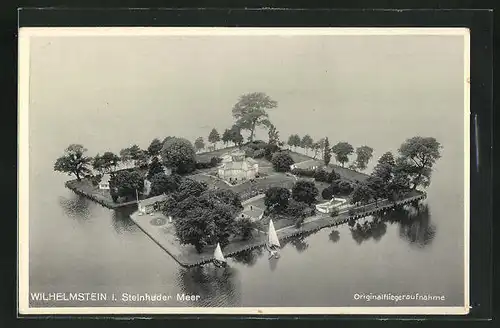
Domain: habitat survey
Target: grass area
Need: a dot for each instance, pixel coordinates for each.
(297, 157)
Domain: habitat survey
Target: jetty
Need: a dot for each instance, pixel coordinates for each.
(160, 229)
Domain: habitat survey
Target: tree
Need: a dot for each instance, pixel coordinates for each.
(226, 136)
(109, 161)
(327, 155)
(385, 167)
(243, 228)
(276, 198)
(318, 147)
(98, 164)
(342, 150)
(225, 196)
(179, 154)
(235, 135)
(141, 159)
(125, 155)
(305, 191)
(214, 137)
(126, 183)
(189, 187)
(162, 183)
(294, 140)
(377, 187)
(73, 161)
(154, 147)
(364, 154)
(251, 111)
(154, 168)
(297, 209)
(418, 155)
(199, 144)
(273, 135)
(361, 194)
(282, 161)
(135, 152)
(328, 192)
(307, 142)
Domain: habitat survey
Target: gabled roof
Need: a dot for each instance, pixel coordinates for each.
(105, 178)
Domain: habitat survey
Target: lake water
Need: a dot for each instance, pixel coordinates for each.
(78, 246)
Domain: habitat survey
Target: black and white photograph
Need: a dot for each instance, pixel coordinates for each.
(169, 170)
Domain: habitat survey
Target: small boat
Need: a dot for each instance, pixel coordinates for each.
(273, 243)
(219, 259)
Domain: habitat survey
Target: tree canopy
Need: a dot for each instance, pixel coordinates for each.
(273, 135)
(327, 153)
(342, 150)
(154, 147)
(74, 162)
(125, 183)
(179, 155)
(294, 140)
(307, 142)
(199, 144)
(276, 198)
(282, 161)
(155, 167)
(364, 154)
(305, 191)
(214, 137)
(417, 157)
(251, 111)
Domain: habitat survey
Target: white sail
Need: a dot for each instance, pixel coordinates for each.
(218, 254)
(272, 236)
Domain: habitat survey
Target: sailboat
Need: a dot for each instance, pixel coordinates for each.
(219, 259)
(273, 243)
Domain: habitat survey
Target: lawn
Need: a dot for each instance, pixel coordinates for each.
(207, 156)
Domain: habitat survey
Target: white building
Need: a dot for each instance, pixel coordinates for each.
(236, 167)
(334, 203)
(104, 183)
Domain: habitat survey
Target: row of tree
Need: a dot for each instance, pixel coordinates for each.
(393, 177)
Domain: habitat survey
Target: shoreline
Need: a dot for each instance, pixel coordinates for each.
(186, 256)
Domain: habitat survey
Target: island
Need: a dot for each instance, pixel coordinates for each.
(191, 196)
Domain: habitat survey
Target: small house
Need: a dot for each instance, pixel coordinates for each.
(334, 203)
(104, 183)
(152, 204)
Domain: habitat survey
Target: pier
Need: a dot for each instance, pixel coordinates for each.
(164, 234)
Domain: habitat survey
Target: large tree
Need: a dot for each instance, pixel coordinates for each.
(155, 167)
(141, 159)
(273, 135)
(307, 142)
(226, 137)
(179, 155)
(318, 147)
(199, 144)
(364, 154)
(377, 187)
(162, 183)
(305, 191)
(74, 162)
(342, 150)
(385, 167)
(362, 194)
(282, 161)
(294, 141)
(276, 198)
(235, 135)
(126, 183)
(417, 157)
(155, 147)
(251, 111)
(327, 153)
(214, 137)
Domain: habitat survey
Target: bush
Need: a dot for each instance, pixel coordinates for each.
(335, 212)
(270, 150)
(327, 193)
(214, 161)
(243, 228)
(320, 175)
(332, 176)
(282, 161)
(259, 153)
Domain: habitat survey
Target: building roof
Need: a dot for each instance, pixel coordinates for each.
(153, 200)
